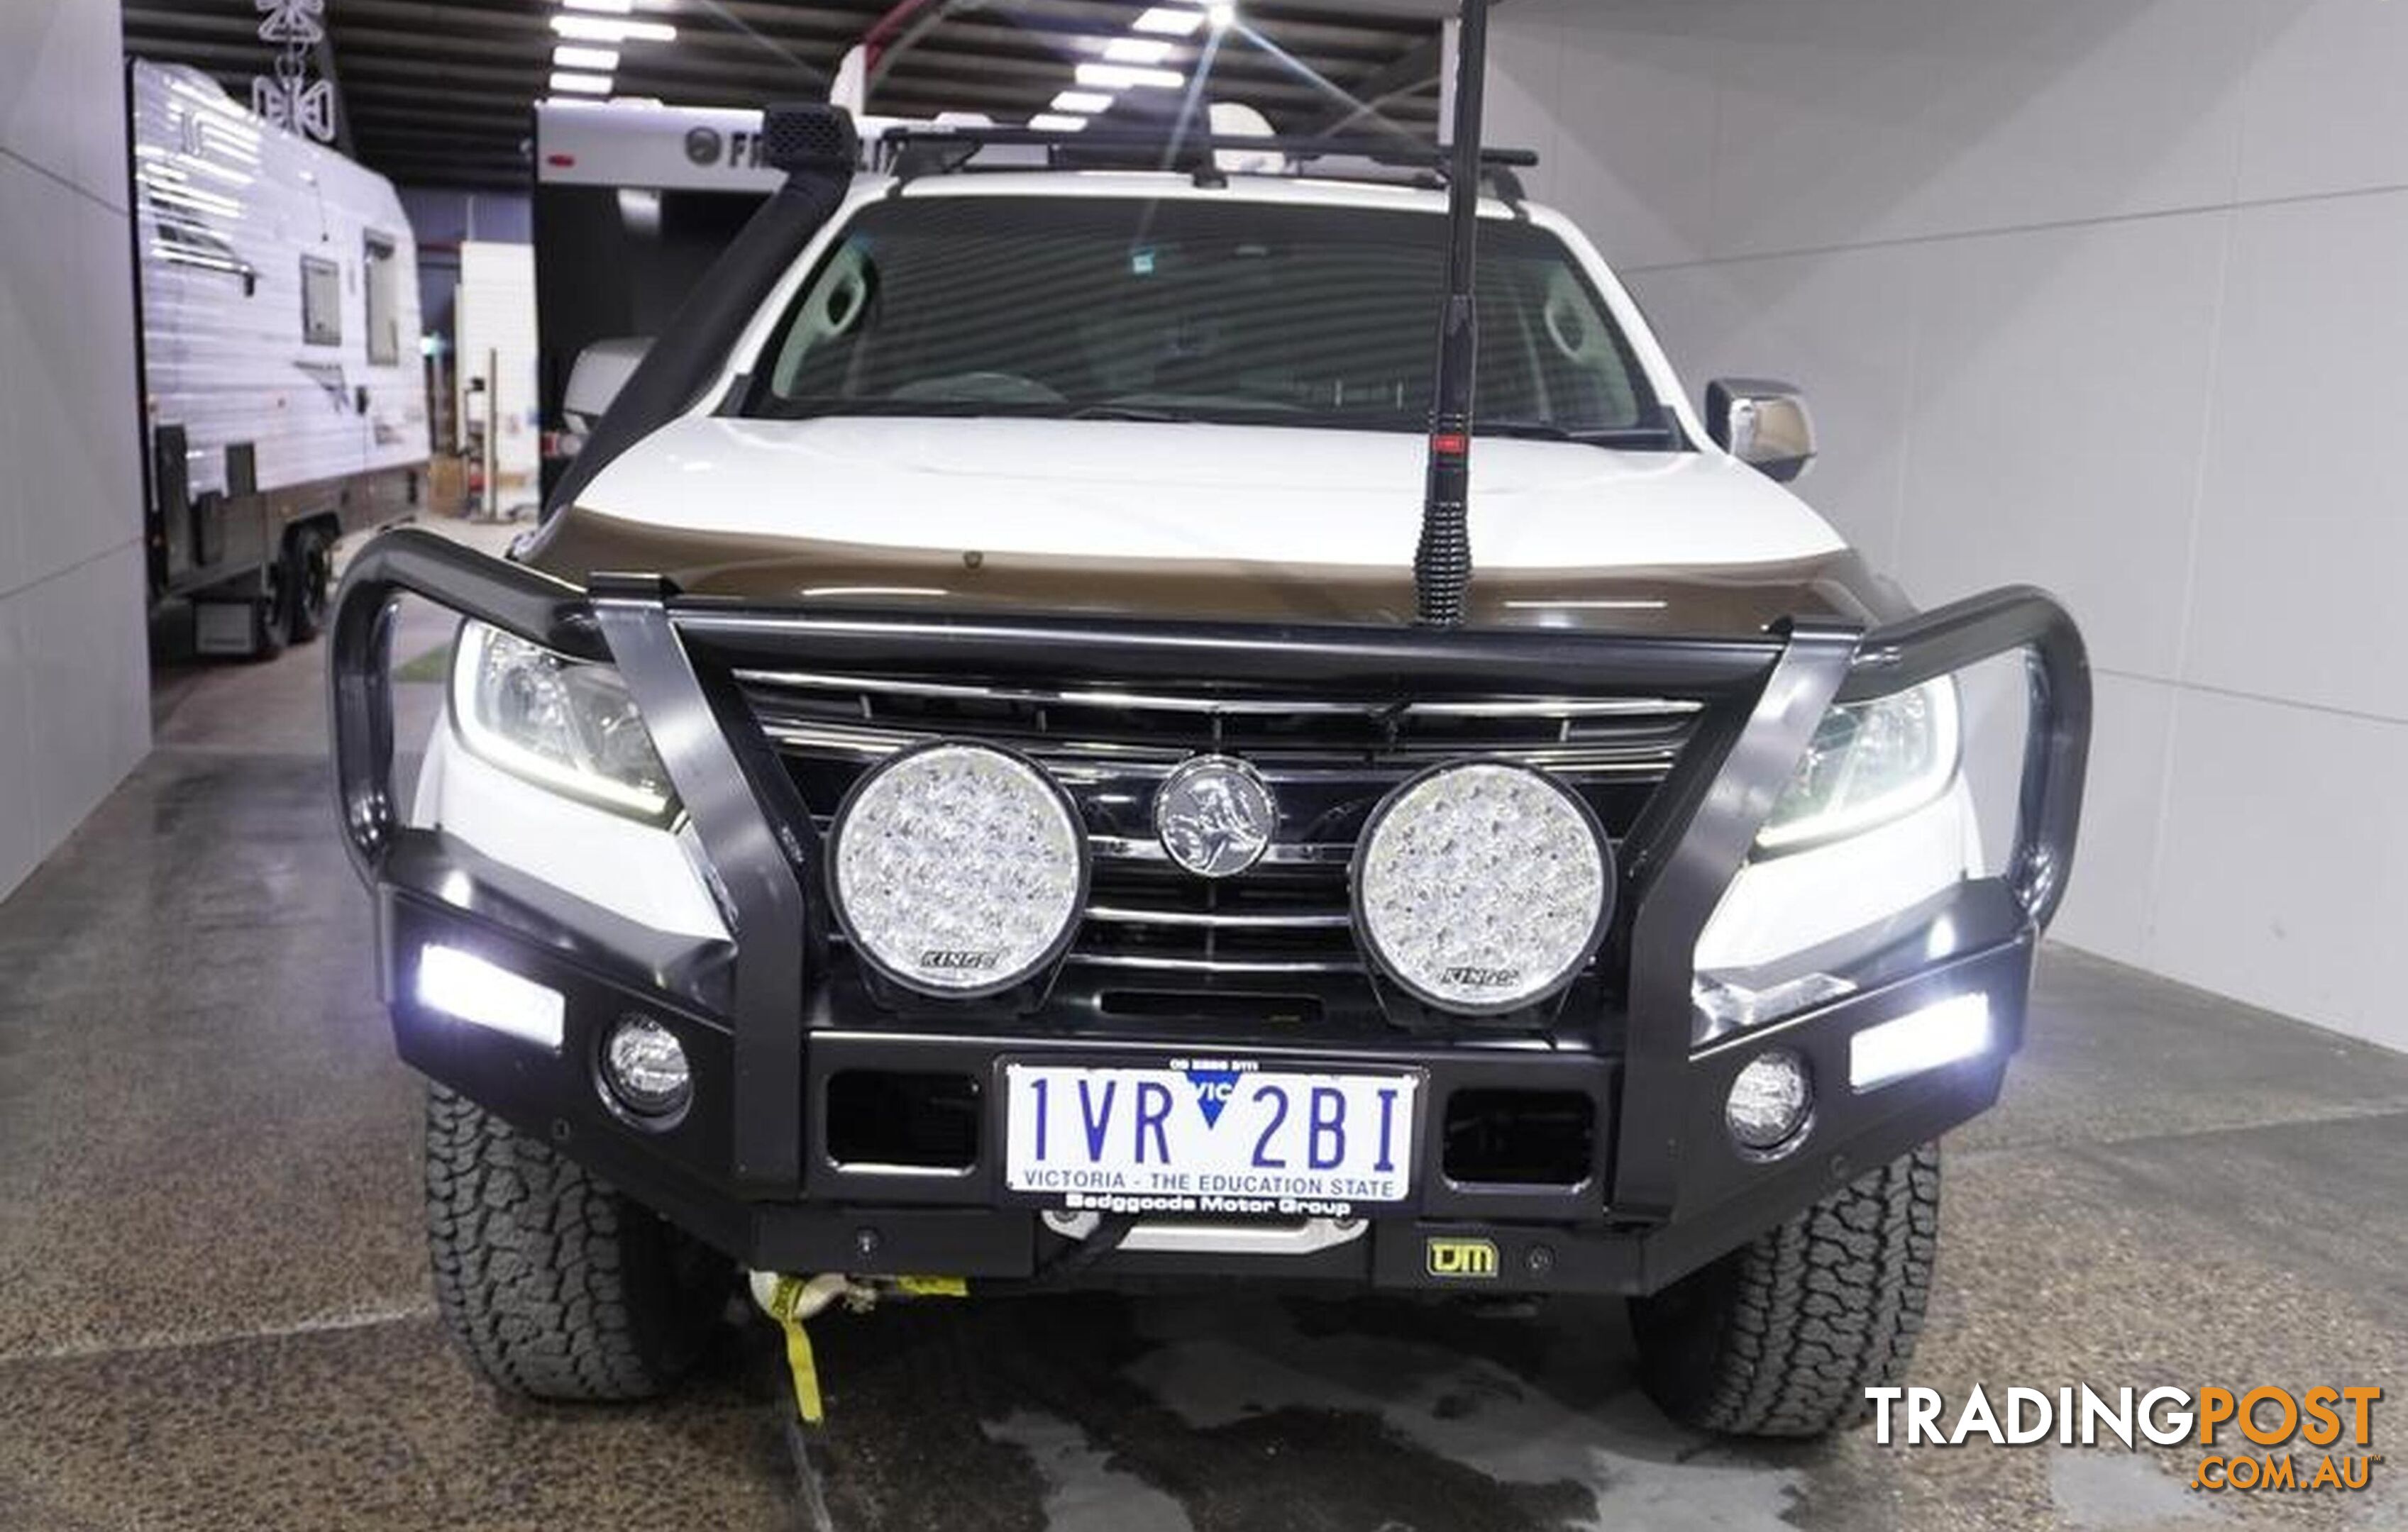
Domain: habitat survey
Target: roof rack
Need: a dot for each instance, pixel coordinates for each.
(912, 152)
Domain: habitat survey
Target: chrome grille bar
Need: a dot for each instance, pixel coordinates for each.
(1283, 854)
(1079, 761)
(1277, 919)
(1233, 968)
(1505, 707)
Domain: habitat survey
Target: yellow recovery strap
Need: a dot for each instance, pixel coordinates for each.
(793, 1299)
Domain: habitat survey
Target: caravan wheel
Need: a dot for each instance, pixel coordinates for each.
(306, 583)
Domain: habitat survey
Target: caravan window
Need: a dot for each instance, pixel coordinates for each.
(384, 302)
(321, 302)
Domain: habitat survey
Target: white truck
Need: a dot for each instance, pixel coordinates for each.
(282, 393)
(977, 780)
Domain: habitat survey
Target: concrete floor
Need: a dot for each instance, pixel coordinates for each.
(214, 1308)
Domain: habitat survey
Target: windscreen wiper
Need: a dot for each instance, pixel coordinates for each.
(1129, 412)
(1661, 438)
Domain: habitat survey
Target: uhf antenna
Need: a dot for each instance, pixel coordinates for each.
(1442, 562)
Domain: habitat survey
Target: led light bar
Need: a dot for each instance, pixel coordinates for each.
(470, 989)
(1057, 123)
(563, 83)
(1955, 1028)
(602, 61)
(1085, 103)
(1124, 77)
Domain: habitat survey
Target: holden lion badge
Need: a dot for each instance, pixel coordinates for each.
(1216, 815)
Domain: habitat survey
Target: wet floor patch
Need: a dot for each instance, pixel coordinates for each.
(1220, 1413)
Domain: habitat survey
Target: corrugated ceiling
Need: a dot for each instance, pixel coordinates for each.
(436, 92)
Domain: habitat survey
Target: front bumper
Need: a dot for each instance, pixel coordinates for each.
(749, 1166)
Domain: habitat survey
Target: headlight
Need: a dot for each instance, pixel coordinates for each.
(957, 869)
(561, 723)
(1482, 887)
(1872, 762)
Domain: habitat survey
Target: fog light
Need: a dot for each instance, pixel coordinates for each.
(645, 1066)
(1768, 1102)
(470, 989)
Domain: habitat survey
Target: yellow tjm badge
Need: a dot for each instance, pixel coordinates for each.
(1460, 1260)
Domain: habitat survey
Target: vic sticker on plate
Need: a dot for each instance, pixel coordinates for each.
(1209, 1135)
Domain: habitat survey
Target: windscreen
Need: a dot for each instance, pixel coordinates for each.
(1192, 309)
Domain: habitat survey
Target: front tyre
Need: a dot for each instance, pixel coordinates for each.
(1782, 1337)
(557, 1286)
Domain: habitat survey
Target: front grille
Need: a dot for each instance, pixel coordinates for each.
(1274, 942)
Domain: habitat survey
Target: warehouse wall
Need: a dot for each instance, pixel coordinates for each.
(74, 671)
(2105, 294)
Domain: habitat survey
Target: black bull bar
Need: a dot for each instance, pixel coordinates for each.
(1761, 697)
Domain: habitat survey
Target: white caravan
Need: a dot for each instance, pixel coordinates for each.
(284, 401)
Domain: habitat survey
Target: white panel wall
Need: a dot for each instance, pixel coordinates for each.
(74, 671)
(2105, 294)
(495, 317)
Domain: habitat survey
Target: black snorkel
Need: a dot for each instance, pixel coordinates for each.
(1442, 562)
(817, 146)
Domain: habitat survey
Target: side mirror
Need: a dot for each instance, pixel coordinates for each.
(602, 370)
(1763, 423)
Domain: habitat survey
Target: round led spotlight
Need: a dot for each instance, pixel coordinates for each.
(645, 1067)
(1482, 886)
(1770, 1102)
(957, 869)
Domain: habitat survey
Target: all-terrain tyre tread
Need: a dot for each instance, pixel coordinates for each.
(1806, 1317)
(535, 1265)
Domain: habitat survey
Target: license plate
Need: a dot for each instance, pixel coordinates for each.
(1210, 1138)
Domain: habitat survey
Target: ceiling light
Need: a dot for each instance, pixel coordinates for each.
(1121, 77)
(1170, 20)
(1224, 15)
(570, 56)
(565, 84)
(1057, 123)
(1137, 50)
(1086, 103)
(615, 8)
(594, 29)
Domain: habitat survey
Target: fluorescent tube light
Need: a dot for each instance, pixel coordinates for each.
(1137, 50)
(1170, 20)
(1122, 77)
(594, 29)
(1085, 103)
(563, 83)
(570, 56)
(1057, 123)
